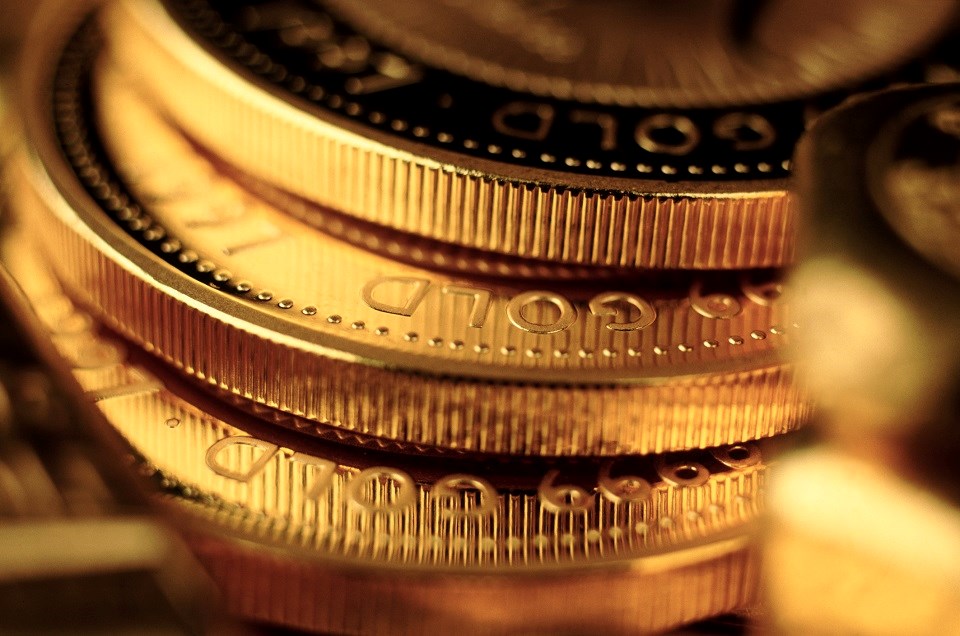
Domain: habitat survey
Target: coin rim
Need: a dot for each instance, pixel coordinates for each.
(754, 215)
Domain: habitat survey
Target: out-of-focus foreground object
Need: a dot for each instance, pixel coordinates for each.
(80, 549)
(865, 530)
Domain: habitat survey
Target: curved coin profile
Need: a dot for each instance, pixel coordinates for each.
(894, 311)
(583, 334)
(308, 104)
(287, 525)
(537, 383)
(878, 186)
(575, 187)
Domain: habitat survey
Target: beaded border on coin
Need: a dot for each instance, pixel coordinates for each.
(692, 412)
(339, 160)
(311, 134)
(292, 529)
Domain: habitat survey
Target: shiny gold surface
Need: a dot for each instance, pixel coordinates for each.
(682, 53)
(535, 214)
(593, 373)
(426, 319)
(307, 389)
(287, 533)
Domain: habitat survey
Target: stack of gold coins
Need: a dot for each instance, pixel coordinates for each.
(426, 317)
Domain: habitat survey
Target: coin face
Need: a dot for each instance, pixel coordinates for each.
(916, 171)
(688, 53)
(310, 104)
(610, 537)
(180, 259)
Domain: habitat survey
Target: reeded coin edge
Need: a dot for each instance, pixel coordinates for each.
(620, 601)
(265, 578)
(697, 412)
(447, 196)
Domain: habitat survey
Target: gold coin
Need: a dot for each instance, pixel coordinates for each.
(324, 537)
(881, 277)
(295, 97)
(619, 200)
(334, 337)
(655, 54)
